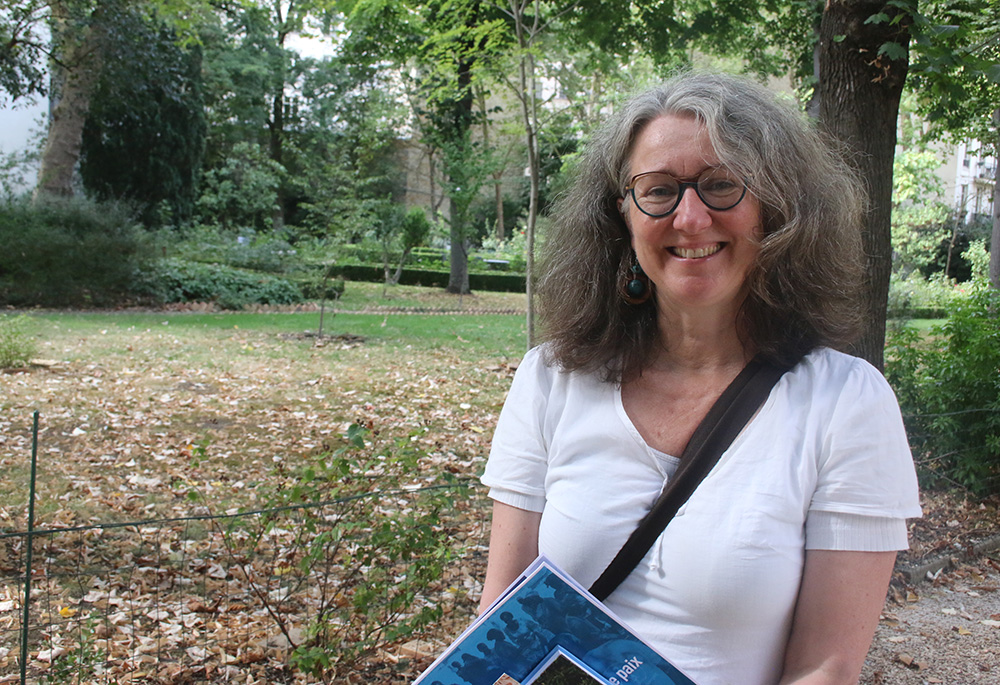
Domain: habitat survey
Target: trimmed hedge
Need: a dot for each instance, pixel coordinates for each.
(918, 313)
(493, 282)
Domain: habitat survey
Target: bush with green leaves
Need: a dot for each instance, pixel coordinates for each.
(322, 284)
(948, 385)
(370, 544)
(60, 252)
(921, 298)
(265, 251)
(174, 280)
(243, 191)
(17, 346)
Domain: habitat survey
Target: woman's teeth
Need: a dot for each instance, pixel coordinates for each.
(696, 253)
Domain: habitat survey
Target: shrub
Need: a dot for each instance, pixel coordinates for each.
(948, 386)
(244, 250)
(917, 297)
(174, 280)
(17, 347)
(322, 286)
(68, 252)
(372, 540)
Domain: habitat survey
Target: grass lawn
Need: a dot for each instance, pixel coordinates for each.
(132, 392)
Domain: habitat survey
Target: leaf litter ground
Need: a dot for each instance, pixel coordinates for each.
(136, 420)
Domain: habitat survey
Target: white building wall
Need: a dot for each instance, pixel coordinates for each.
(975, 174)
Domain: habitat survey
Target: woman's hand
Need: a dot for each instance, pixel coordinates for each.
(513, 546)
(840, 599)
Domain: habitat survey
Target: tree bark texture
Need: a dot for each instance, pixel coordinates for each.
(74, 77)
(859, 105)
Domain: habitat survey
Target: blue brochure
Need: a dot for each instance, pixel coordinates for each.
(544, 611)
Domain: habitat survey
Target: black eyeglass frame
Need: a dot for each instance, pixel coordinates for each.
(681, 187)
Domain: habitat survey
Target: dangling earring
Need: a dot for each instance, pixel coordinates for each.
(635, 287)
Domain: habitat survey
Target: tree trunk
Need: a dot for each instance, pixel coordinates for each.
(461, 122)
(458, 276)
(74, 78)
(995, 235)
(528, 97)
(498, 199)
(859, 105)
(276, 136)
(498, 226)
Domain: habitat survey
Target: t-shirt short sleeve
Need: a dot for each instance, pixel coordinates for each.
(865, 466)
(515, 471)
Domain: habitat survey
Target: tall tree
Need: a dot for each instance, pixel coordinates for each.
(863, 60)
(80, 31)
(439, 48)
(460, 36)
(254, 77)
(145, 130)
(528, 24)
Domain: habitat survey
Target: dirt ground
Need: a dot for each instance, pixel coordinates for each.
(946, 630)
(941, 623)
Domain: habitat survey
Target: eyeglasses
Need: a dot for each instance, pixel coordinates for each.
(657, 193)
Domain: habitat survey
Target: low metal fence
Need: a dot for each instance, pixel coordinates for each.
(204, 598)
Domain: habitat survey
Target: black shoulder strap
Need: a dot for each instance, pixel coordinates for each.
(711, 438)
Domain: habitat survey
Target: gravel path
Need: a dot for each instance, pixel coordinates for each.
(945, 630)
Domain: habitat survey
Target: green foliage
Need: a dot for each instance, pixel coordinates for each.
(374, 549)
(917, 297)
(954, 69)
(978, 258)
(243, 192)
(17, 345)
(145, 130)
(19, 168)
(919, 218)
(68, 252)
(174, 280)
(495, 281)
(258, 251)
(322, 284)
(22, 51)
(85, 654)
(949, 389)
(513, 250)
(398, 233)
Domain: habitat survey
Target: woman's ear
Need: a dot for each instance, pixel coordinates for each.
(624, 212)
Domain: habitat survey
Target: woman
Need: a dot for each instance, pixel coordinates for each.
(709, 224)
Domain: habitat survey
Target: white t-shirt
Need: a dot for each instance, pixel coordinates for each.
(824, 464)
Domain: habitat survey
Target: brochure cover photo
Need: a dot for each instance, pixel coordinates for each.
(547, 618)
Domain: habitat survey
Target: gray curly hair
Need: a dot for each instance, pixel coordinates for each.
(804, 288)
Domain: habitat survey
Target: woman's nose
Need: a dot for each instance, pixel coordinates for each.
(691, 214)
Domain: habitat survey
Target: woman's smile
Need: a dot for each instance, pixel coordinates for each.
(695, 252)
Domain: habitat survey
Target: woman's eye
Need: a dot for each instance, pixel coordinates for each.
(661, 191)
(718, 184)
